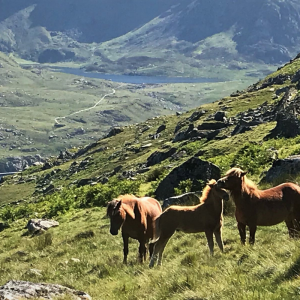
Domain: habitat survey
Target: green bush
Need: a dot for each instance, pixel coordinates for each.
(156, 173)
(252, 157)
(90, 196)
(189, 185)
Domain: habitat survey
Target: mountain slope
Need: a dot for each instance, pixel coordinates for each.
(156, 37)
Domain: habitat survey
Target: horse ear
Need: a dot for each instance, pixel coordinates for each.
(118, 204)
(243, 173)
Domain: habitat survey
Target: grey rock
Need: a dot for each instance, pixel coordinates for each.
(194, 169)
(212, 125)
(37, 225)
(282, 168)
(157, 157)
(114, 131)
(161, 128)
(196, 115)
(16, 289)
(219, 116)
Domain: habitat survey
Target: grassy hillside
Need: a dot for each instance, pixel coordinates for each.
(81, 187)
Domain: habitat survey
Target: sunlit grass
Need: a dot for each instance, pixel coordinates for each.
(268, 270)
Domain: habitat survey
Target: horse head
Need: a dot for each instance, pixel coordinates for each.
(216, 191)
(232, 179)
(116, 214)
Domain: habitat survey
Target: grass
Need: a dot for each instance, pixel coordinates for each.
(269, 270)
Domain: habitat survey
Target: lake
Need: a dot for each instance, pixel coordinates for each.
(132, 78)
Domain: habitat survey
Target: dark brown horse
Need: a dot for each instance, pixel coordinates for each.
(205, 217)
(136, 217)
(256, 207)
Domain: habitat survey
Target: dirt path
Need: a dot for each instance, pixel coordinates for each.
(89, 108)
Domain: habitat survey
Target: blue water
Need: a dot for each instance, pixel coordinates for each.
(132, 78)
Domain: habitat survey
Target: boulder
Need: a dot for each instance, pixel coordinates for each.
(195, 169)
(287, 126)
(157, 157)
(16, 289)
(161, 128)
(37, 225)
(196, 115)
(283, 168)
(219, 116)
(114, 131)
(190, 198)
(212, 125)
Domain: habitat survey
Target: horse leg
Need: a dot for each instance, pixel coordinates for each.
(151, 247)
(242, 231)
(252, 229)
(159, 248)
(218, 236)
(154, 254)
(210, 241)
(291, 229)
(142, 250)
(125, 248)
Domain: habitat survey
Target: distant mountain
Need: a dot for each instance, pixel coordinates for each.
(154, 36)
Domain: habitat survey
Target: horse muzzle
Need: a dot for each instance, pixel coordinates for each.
(113, 232)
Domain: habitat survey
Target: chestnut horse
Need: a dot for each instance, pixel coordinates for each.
(256, 207)
(205, 217)
(136, 217)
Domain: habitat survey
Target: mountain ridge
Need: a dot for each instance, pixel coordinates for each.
(263, 32)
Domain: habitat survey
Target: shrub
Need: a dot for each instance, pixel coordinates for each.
(156, 173)
(252, 157)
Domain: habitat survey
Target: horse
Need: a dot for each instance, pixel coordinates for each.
(205, 217)
(190, 198)
(136, 217)
(256, 207)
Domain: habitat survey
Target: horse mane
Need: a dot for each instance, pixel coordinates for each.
(207, 190)
(248, 186)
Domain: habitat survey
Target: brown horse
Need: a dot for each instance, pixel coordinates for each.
(256, 207)
(205, 217)
(136, 217)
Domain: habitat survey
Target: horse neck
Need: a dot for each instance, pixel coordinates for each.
(241, 193)
(215, 202)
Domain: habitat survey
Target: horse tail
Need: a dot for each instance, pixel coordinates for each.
(156, 230)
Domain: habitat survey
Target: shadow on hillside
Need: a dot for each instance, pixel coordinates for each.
(292, 273)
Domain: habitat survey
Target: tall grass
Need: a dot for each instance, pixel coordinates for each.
(268, 270)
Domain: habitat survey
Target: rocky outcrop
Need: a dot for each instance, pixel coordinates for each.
(19, 163)
(35, 226)
(157, 157)
(287, 126)
(114, 131)
(195, 169)
(16, 289)
(282, 168)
